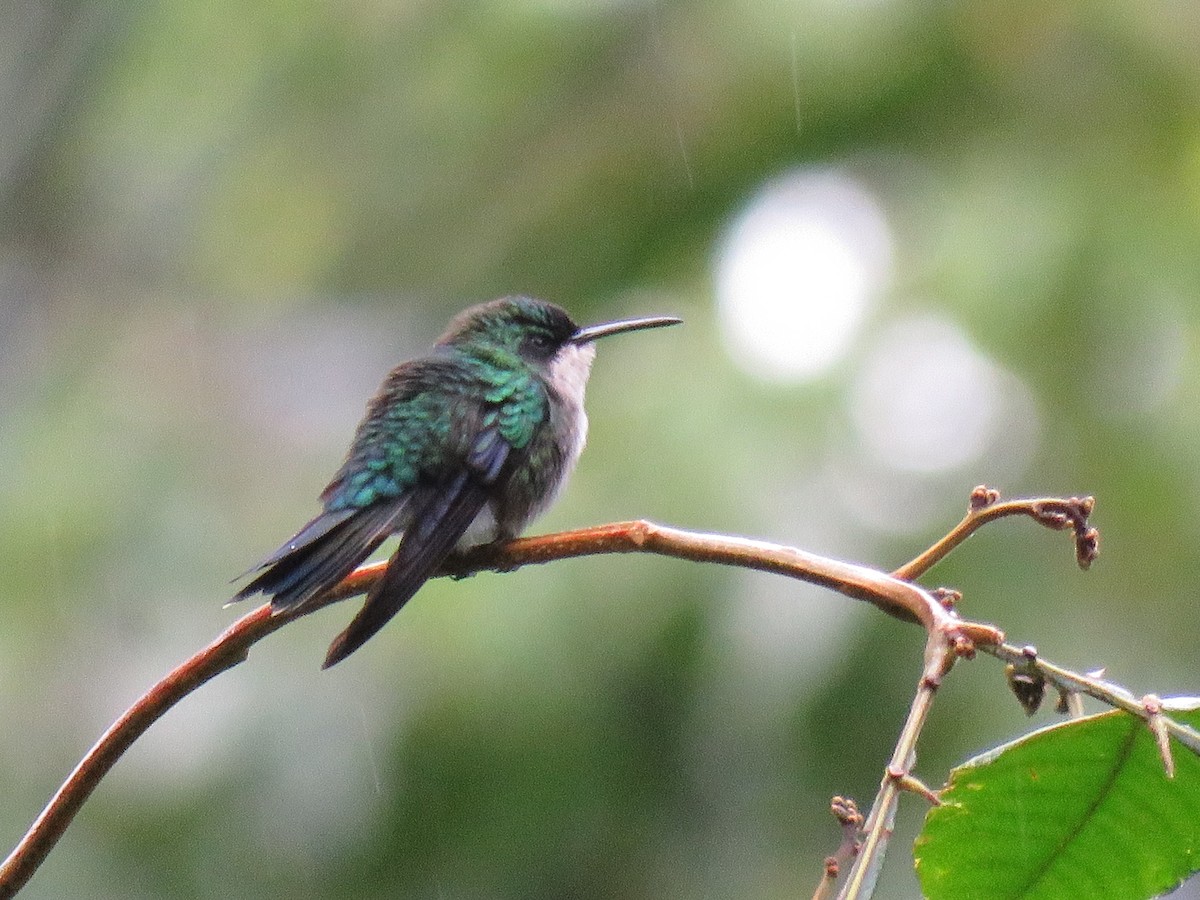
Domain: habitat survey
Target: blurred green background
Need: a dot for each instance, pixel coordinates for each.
(918, 246)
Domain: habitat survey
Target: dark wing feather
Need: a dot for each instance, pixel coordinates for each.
(441, 515)
(322, 553)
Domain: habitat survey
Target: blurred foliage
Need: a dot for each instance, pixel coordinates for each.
(220, 223)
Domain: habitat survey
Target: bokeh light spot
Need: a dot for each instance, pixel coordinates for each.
(798, 271)
(928, 400)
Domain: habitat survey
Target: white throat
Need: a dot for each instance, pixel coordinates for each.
(567, 377)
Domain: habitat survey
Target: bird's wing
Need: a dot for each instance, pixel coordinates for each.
(439, 516)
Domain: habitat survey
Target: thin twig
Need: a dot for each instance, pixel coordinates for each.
(845, 810)
(894, 596)
(985, 506)
(940, 657)
(1147, 708)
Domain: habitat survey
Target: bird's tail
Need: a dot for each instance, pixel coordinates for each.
(322, 553)
(439, 519)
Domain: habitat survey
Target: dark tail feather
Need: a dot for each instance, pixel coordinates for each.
(384, 600)
(442, 519)
(322, 553)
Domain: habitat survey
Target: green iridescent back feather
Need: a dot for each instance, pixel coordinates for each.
(426, 419)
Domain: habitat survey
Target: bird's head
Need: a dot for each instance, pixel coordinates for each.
(540, 333)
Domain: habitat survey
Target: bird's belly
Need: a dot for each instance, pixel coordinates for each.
(532, 487)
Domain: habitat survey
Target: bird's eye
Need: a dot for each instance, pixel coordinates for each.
(540, 341)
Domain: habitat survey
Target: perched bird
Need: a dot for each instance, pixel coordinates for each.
(460, 447)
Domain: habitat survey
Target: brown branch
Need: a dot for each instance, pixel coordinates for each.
(231, 648)
(891, 593)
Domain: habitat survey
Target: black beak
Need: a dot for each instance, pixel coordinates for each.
(592, 332)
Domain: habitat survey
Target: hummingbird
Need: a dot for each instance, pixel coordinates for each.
(460, 447)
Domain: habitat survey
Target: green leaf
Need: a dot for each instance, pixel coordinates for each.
(1081, 809)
